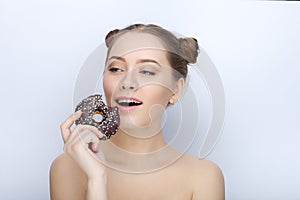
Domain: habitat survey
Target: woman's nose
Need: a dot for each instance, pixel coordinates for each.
(128, 82)
(128, 86)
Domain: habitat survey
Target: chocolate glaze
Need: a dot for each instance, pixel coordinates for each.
(94, 105)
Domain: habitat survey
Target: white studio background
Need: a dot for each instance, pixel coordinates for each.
(255, 46)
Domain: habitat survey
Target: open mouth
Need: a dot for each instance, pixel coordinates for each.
(128, 102)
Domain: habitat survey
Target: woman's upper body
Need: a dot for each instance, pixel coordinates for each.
(187, 178)
(145, 72)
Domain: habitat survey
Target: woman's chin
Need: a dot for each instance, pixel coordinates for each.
(133, 125)
(140, 130)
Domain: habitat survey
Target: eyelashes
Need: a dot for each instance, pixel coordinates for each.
(114, 70)
(144, 72)
(147, 73)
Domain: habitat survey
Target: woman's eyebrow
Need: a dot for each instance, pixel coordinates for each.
(148, 60)
(117, 58)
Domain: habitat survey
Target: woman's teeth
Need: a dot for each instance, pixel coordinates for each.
(128, 102)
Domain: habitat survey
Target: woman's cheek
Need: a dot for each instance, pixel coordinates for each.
(107, 90)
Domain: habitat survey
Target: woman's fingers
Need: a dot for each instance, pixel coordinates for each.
(93, 140)
(80, 128)
(95, 131)
(87, 136)
(83, 141)
(95, 146)
(83, 136)
(66, 125)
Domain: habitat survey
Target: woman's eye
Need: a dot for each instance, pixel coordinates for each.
(114, 69)
(147, 73)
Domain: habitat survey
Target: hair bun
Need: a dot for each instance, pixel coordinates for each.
(190, 49)
(110, 35)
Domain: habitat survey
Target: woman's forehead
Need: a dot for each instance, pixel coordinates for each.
(133, 41)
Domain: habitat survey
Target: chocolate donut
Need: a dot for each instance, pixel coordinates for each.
(92, 105)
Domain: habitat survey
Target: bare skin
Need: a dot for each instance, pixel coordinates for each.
(143, 74)
(187, 178)
(75, 177)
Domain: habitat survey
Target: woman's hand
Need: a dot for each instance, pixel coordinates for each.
(81, 144)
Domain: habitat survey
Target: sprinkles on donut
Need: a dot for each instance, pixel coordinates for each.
(93, 105)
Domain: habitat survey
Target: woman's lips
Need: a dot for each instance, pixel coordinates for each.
(127, 108)
(125, 103)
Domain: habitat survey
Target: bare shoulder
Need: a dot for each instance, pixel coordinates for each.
(203, 167)
(67, 180)
(206, 179)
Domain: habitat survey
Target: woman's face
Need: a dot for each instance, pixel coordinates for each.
(139, 80)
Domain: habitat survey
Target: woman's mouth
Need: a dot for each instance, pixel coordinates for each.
(128, 103)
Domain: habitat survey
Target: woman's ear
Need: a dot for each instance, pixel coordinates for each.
(177, 90)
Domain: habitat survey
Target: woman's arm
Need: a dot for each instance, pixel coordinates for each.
(95, 190)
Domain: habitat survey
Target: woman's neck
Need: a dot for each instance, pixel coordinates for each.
(126, 153)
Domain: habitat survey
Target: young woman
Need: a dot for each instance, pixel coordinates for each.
(145, 72)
